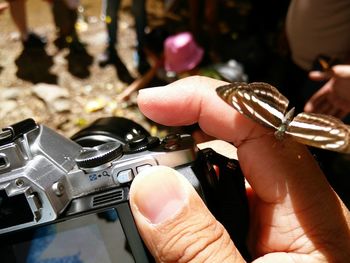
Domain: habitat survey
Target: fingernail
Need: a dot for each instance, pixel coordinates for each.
(158, 193)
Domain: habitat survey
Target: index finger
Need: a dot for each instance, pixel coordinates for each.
(320, 75)
(193, 100)
(270, 166)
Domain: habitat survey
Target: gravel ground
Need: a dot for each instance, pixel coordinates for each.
(80, 92)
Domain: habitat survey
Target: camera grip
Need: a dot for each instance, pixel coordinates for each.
(224, 190)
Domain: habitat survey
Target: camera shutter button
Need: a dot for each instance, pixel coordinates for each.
(172, 141)
(99, 155)
(140, 143)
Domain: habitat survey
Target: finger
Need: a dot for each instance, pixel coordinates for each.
(326, 101)
(340, 114)
(320, 75)
(174, 222)
(342, 106)
(317, 104)
(193, 100)
(342, 71)
(317, 100)
(3, 7)
(325, 108)
(334, 111)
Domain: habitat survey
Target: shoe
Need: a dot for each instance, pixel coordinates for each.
(77, 46)
(60, 42)
(34, 41)
(109, 57)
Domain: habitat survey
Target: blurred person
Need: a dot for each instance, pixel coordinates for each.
(110, 56)
(3, 7)
(18, 13)
(65, 17)
(209, 17)
(317, 31)
(204, 25)
(317, 79)
(182, 55)
(333, 98)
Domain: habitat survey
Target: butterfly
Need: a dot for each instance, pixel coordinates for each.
(266, 105)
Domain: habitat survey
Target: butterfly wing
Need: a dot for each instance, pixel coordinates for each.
(321, 131)
(258, 101)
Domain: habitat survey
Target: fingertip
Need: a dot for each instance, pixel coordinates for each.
(342, 70)
(194, 100)
(308, 107)
(174, 105)
(318, 75)
(158, 194)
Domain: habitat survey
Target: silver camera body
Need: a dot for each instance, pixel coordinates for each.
(46, 179)
(49, 171)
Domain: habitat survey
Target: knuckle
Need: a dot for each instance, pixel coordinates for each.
(195, 242)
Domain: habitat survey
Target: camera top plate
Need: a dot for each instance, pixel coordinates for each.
(43, 172)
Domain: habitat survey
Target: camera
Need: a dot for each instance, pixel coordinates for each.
(66, 200)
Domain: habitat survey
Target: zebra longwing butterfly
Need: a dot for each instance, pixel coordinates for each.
(266, 105)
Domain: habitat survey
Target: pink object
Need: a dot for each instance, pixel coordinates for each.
(181, 53)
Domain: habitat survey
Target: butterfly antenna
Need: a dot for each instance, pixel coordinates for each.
(289, 115)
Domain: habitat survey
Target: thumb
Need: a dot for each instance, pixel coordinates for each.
(174, 222)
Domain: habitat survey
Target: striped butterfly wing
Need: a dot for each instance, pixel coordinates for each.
(321, 131)
(258, 101)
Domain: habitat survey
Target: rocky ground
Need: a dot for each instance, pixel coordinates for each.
(58, 89)
(67, 91)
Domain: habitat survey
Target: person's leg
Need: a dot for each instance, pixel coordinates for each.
(195, 18)
(140, 15)
(110, 8)
(139, 12)
(65, 17)
(111, 19)
(19, 16)
(211, 9)
(211, 12)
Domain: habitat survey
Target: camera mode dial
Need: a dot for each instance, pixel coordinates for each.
(99, 155)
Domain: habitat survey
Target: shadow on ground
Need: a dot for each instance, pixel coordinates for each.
(34, 65)
(79, 62)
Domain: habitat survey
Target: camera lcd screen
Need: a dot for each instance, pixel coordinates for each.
(86, 239)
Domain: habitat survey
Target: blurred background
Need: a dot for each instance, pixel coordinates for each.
(68, 89)
(66, 63)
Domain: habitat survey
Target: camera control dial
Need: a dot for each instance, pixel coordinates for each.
(100, 155)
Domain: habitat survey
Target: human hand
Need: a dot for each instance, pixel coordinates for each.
(3, 7)
(334, 97)
(295, 215)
